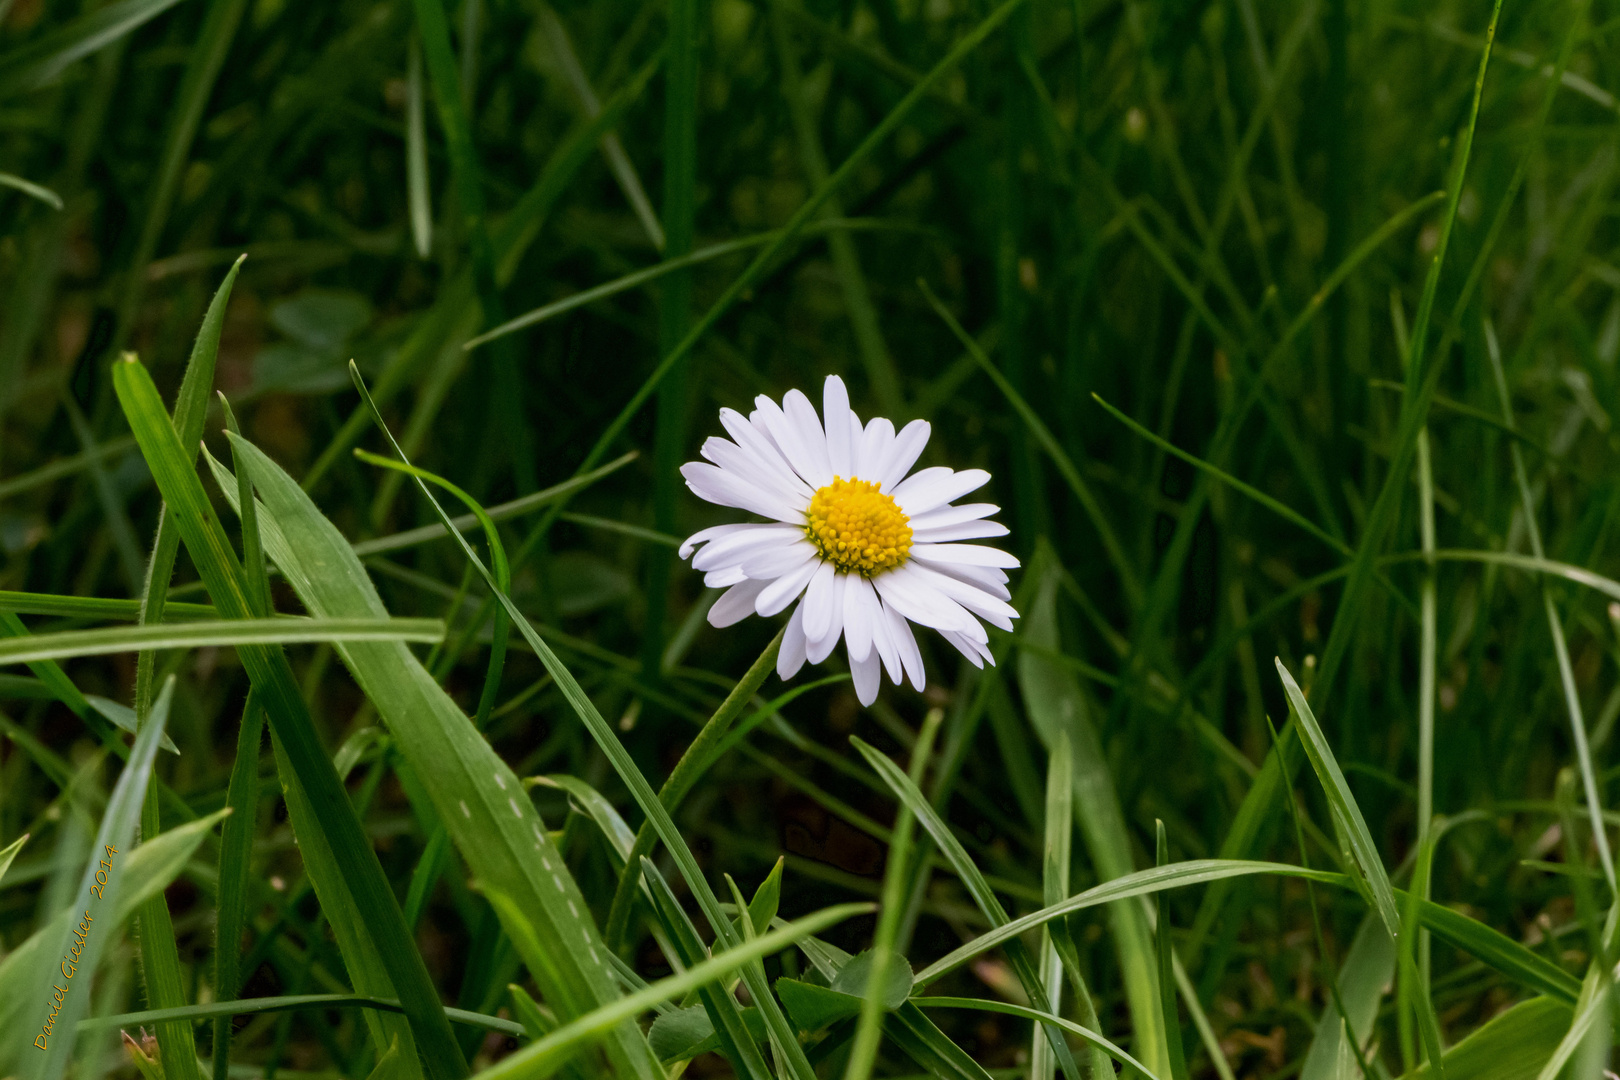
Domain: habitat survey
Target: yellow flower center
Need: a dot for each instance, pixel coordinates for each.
(858, 528)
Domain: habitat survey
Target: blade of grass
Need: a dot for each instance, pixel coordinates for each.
(147, 870)
(1091, 1038)
(235, 865)
(790, 231)
(418, 192)
(983, 896)
(238, 632)
(1043, 435)
(699, 755)
(204, 59)
(1056, 705)
(475, 795)
(1352, 827)
(9, 853)
(93, 607)
(1555, 626)
(252, 1006)
(602, 733)
(31, 189)
(1167, 975)
(858, 305)
(80, 947)
(37, 62)
(358, 874)
(544, 1056)
(503, 576)
(719, 1005)
(896, 885)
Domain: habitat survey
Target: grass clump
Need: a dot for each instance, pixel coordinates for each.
(1283, 331)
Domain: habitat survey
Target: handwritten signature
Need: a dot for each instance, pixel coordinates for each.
(70, 959)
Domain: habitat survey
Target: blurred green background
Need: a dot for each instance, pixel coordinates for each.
(1208, 213)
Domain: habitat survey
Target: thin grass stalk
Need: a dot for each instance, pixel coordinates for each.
(700, 753)
(1555, 626)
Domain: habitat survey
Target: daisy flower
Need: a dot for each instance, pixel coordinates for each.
(869, 548)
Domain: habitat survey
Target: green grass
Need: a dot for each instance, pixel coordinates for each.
(1288, 332)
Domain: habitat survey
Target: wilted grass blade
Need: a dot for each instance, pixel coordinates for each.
(1352, 826)
(543, 1057)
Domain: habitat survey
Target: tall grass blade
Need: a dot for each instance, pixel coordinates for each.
(355, 869)
(80, 943)
(36, 63)
(602, 733)
(417, 191)
(478, 799)
(1351, 826)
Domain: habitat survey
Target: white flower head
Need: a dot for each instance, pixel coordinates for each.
(870, 548)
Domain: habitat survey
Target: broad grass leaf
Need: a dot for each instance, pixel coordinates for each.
(1367, 969)
(478, 798)
(361, 874)
(1514, 1045)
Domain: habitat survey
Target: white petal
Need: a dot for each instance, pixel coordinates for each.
(953, 515)
(748, 541)
(785, 589)
(823, 607)
(907, 593)
(804, 448)
(765, 452)
(987, 578)
(720, 579)
(716, 485)
(860, 612)
(868, 674)
(736, 603)
(996, 612)
(968, 648)
(841, 426)
(933, 488)
(703, 536)
(791, 656)
(967, 530)
(884, 646)
(910, 655)
(775, 562)
(903, 454)
(748, 465)
(872, 447)
(964, 555)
